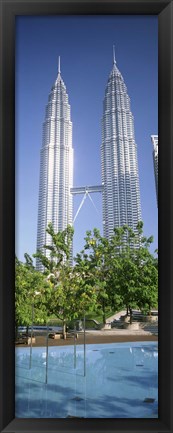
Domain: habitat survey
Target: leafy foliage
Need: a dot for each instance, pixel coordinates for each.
(31, 288)
(122, 269)
(115, 273)
(59, 249)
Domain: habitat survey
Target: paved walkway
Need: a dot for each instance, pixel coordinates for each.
(146, 332)
(99, 337)
(122, 332)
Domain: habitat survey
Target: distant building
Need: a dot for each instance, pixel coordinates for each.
(121, 194)
(154, 139)
(56, 166)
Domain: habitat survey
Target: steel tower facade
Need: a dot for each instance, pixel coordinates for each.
(121, 193)
(56, 166)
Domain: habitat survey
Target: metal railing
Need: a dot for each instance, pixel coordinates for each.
(51, 328)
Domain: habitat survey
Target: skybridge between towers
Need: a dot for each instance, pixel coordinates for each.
(86, 191)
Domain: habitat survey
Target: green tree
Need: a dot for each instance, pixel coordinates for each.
(147, 288)
(96, 258)
(56, 262)
(72, 292)
(84, 281)
(59, 249)
(137, 274)
(121, 270)
(31, 288)
(72, 295)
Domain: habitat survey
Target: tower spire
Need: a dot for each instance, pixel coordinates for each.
(59, 70)
(114, 61)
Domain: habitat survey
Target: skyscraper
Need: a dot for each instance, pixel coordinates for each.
(154, 139)
(56, 166)
(121, 194)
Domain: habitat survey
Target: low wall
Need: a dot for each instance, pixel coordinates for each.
(134, 326)
(106, 326)
(150, 319)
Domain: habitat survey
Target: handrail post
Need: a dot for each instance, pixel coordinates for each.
(30, 359)
(47, 340)
(84, 349)
(75, 346)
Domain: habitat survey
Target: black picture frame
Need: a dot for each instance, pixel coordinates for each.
(8, 11)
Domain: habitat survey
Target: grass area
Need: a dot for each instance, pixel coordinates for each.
(99, 316)
(89, 316)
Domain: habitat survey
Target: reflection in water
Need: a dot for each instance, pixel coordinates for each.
(120, 382)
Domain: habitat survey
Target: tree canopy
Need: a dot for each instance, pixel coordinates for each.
(119, 272)
(31, 288)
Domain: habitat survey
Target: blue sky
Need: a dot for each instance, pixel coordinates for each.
(85, 46)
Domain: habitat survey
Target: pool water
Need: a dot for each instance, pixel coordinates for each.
(118, 380)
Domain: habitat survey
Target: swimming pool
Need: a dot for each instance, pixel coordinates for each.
(121, 381)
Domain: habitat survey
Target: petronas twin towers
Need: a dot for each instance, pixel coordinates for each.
(121, 196)
(119, 166)
(56, 166)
